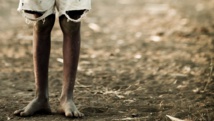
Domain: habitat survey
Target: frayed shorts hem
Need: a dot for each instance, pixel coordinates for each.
(48, 7)
(30, 19)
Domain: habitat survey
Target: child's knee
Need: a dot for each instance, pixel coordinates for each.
(45, 25)
(76, 14)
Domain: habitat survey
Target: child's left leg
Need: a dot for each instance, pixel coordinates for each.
(71, 49)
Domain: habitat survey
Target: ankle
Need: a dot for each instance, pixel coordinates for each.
(42, 98)
(65, 98)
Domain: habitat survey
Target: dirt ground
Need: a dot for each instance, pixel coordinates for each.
(140, 60)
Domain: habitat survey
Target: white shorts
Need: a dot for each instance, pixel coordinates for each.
(47, 7)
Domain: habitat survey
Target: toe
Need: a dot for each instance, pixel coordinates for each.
(25, 114)
(17, 112)
(68, 114)
(76, 114)
(81, 115)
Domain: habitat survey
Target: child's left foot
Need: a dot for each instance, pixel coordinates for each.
(70, 109)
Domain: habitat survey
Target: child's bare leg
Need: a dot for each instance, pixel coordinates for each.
(41, 52)
(71, 48)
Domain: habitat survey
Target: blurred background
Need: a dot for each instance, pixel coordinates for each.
(140, 60)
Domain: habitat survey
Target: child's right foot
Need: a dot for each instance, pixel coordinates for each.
(34, 106)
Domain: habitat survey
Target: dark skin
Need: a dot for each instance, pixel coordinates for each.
(41, 54)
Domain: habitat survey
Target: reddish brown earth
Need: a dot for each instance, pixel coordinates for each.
(140, 60)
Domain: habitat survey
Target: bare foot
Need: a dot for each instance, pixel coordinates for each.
(70, 109)
(34, 106)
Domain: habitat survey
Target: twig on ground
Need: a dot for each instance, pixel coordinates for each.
(210, 75)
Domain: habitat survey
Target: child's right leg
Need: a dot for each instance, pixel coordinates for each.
(41, 52)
